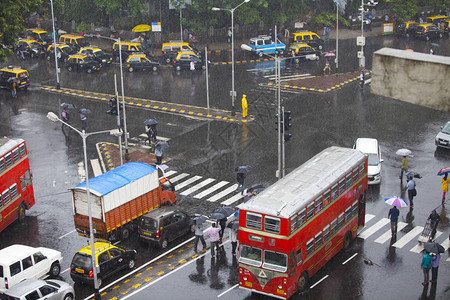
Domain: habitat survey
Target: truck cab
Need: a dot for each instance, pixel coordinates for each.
(264, 44)
(167, 192)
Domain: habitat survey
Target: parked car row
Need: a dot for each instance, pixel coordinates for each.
(435, 28)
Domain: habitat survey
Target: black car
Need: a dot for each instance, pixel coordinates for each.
(136, 62)
(79, 62)
(428, 32)
(184, 59)
(96, 54)
(109, 258)
(163, 225)
(407, 29)
(63, 52)
(29, 48)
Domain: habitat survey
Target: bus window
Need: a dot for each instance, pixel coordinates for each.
(250, 255)
(291, 260)
(355, 208)
(275, 261)
(23, 183)
(326, 198)
(310, 247)
(28, 177)
(5, 196)
(293, 223)
(319, 204)
(8, 160)
(13, 190)
(326, 233)
(310, 210)
(355, 175)
(301, 217)
(341, 221)
(348, 180)
(2, 165)
(16, 155)
(318, 240)
(341, 186)
(22, 150)
(334, 192)
(299, 256)
(333, 227)
(254, 221)
(362, 170)
(272, 224)
(348, 214)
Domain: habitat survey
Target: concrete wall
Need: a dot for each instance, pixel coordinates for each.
(418, 78)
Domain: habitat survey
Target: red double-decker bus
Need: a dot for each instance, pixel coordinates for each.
(293, 228)
(16, 188)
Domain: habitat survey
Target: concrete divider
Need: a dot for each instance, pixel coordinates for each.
(414, 77)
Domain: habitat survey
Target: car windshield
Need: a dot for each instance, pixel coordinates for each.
(148, 224)
(88, 59)
(67, 49)
(45, 36)
(372, 159)
(82, 261)
(446, 128)
(34, 45)
(82, 42)
(99, 53)
(53, 284)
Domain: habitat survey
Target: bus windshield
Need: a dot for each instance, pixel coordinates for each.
(275, 261)
(251, 255)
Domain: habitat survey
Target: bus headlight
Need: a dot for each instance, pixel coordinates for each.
(245, 278)
(280, 287)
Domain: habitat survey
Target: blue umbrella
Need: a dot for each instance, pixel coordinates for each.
(370, 16)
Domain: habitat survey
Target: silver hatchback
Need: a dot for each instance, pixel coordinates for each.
(40, 289)
(443, 137)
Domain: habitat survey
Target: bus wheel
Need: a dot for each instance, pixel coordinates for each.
(347, 240)
(21, 212)
(302, 282)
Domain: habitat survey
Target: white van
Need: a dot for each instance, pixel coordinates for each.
(19, 262)
(371, 148)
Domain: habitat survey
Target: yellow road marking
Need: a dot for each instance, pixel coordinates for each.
(137, 285)
(160, 273)
(126, 281)
(124, 293)
(170, 256)
(139, 274)
(115, 287)
(148, 279)
(103, 294)
(182, 261)
(149, 268)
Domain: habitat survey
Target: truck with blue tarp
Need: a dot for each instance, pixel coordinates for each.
(118, 198)
(263, 44)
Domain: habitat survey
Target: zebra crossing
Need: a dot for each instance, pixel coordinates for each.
(224, 192)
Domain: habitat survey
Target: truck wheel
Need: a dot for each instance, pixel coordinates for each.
(347, 240)
(131, 264)
(89, 71)
(55, 269)
(260, 54)
(164, 243)
(21, 212)
(125, 234)
(99, 281)
(167, 60)
(69, 68)
(302, 282)
(155, 68)
(178, 68)
(130, 69)
(320, 47)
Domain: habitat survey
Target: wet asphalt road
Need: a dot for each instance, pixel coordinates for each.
(213, 149)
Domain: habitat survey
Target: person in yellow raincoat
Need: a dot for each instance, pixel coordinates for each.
(445, 181)
(244, 106)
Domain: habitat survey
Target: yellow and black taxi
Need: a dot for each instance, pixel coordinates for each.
(127, 49)
(170, 50)
(97, 53)
(63, 51)
(80, 62)
(74, 41)
(307, 37)
(11, 74)
(428, 32)
(436, 20)
(301, 52)
(110, 259)
(40, 35)
(28, 48)
(407, 29)
(140, 61)
(183, 60)
(445, 27)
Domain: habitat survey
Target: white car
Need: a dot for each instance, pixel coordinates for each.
(371, 148)
(20, 262)
(443, 137)
(41, 289)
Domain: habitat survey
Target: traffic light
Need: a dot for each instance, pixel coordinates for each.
(287, 120)
(281, 123)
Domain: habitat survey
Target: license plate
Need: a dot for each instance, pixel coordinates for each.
(280, 291)
(249, 284)
(310, 56)
(23, 82)
(148, 233)
(442, 142)
(79, 270)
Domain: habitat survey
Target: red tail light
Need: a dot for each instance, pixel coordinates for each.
(91, 274)
(162, 52)
(174, 61)
(158, 233)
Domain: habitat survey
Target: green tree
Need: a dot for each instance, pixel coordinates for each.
(405, 9)
(12, 14)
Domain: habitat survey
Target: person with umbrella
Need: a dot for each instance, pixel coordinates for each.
(158, 154)
(199, 234)
(65, 116)
(435, 259)
(240, 177)
(445, 181)
(393, 216)
(403, 153)
(412, 192)
(233, 239)
(213, 234)
(150, 129)
(426, 266)
(83, 116)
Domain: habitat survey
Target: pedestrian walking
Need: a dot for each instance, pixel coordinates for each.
(192, 65)
(148, 131)
(244, 106)
(412, 192)
(233, 239)
(435, 219)
(223, 224)
(435, 258)
(404, 166)
(426, 266)
(14, 89)
(445, 181)
(199, 236)
(154, 132)
(327, 66)
(386, 18)
(393, 216)
(213, 234)
(240, 180)
(158, 154)
(83, 117)
(431, 51)
(362, 78)
(65, 117)
(230, 34)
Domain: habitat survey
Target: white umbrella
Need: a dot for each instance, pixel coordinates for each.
(403, 152)
(396, 201)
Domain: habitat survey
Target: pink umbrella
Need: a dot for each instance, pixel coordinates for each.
(330, 54)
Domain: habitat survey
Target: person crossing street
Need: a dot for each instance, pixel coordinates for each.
(393, 216)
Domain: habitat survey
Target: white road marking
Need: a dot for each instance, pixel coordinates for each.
(387, 235)
(65, 271)
(372, 229)
(419, 247)
(179, 177)
(169, 173)
(369, 217)
(223, 193)
(211, 189)
(187, 182)
(233, 199)
(323, 278)
(350, 258)
(95, 164)
(408, 237)
(197, 186)
(233, 287)
(64, 235)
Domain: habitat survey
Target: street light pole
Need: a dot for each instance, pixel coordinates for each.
(54, 48)
(54, 118)
(337, 36)
(233, 92)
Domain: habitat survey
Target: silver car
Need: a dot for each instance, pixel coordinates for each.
(40, 289)
(443, 137)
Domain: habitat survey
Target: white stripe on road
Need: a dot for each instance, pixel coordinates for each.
(325, 277)
(233, 199)
(211, 189)
(223, 193)
(350, 258)
(368, 81)
(197, 186)
(64, 235)
(233, 287)
(159, 138)
(169, 173)
(387, 235)
(374, 228)
(187, 182)
(419, 247)
(95, 164)
(368, 217)
(408, 237)
(62, 272)
(179, 177)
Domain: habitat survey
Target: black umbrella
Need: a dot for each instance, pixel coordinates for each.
(243, 169)
(84, 111)
(217, 216)
(67, 105)
(413, 174)
(150, 122)
(198, 220)
(233, 225)
(433, 247)
(162, 145)
(225, 210)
